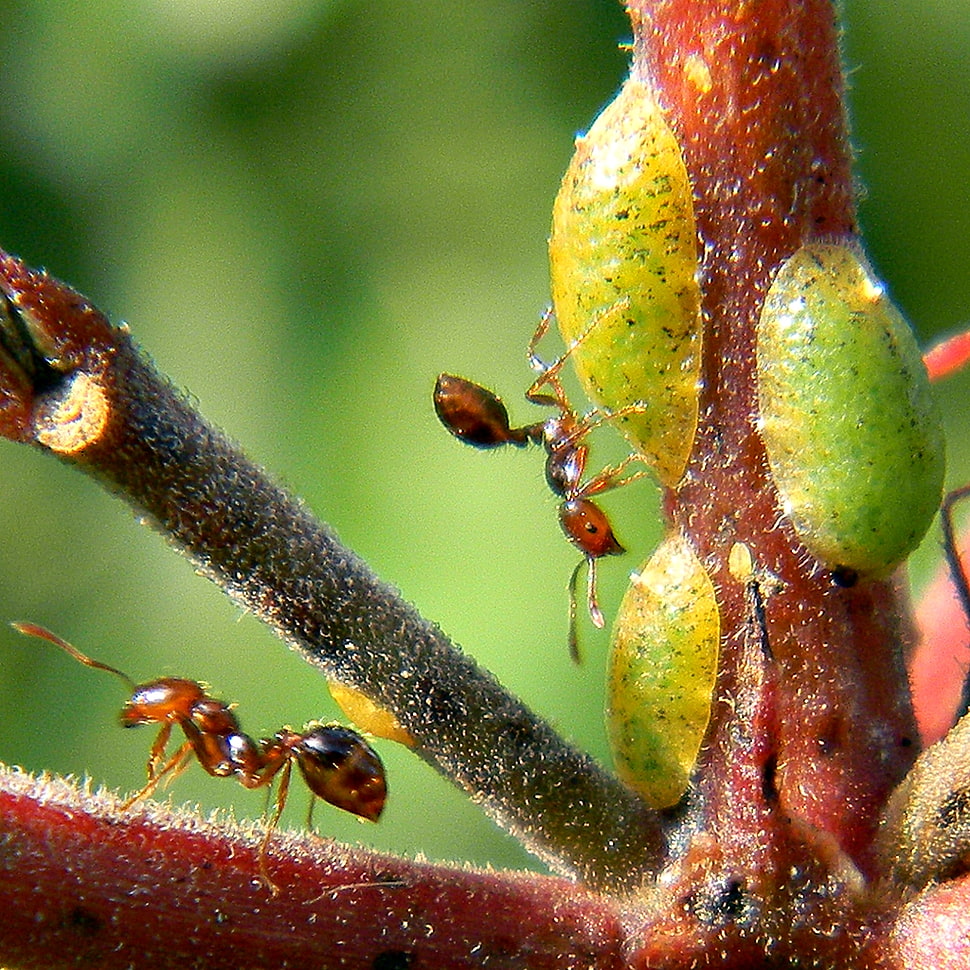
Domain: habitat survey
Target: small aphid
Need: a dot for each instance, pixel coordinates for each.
(662, 672)
(478, 417)
(337, 764)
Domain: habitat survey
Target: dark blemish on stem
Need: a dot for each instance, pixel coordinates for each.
(394, 960)
(84, 921)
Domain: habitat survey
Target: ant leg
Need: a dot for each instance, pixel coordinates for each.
(611, 477)
(550, 376)
(158, 748)
(549, 373)
(309, 812)
(597, 417)
(957, 571)
(535, 362)
(173, 767)
(274, 819)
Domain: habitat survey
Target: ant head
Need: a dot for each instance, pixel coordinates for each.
(587, 527)
(474, 414)
(166, 699)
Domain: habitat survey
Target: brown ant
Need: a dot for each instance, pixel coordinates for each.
(478, 417)
(337, 764)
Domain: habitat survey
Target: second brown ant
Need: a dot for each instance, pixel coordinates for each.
(477, 416)
(337, 764)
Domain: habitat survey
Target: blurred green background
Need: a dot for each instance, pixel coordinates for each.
(306, 210)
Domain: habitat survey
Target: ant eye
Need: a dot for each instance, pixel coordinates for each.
(844, 403)
(663, 665)
(623, 262)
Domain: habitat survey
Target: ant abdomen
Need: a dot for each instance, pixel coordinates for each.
(476, 415)
(340, 767)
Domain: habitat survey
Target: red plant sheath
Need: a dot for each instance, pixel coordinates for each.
(85, 886)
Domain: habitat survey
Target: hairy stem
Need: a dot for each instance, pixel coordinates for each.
(86, 885)
(754, 93)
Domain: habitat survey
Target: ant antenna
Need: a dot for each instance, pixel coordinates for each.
(595, 613)
(33, 630)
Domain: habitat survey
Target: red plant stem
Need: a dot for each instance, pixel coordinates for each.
(939, 665)
(825, 730)
(86, 886)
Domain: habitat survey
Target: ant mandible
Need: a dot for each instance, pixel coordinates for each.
(478, 417)
(337, 764)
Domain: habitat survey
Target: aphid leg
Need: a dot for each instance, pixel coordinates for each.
(380, 884)
(957, 571)
(758, 617)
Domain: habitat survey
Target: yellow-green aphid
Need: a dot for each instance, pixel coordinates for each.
(853, 436)
(662, 671)
(623, 259)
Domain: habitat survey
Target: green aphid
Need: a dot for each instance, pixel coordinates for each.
(852, 433)
(623, 259)
(662, 670)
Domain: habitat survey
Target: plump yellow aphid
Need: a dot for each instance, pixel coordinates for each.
(662, 671)
(367, 715)
(845, 403)
(623, 260)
